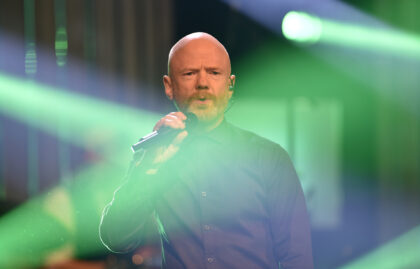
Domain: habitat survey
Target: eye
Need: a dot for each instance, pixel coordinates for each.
(188, 73)
(214, 72)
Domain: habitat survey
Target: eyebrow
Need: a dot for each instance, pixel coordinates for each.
(195, 69)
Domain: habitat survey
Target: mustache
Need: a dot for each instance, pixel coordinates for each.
(204, 95)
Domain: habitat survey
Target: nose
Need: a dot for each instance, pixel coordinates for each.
(202, 83)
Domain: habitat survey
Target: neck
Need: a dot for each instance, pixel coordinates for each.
(204, 127)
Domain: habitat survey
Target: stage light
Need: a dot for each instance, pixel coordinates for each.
(30, 46)
(61, 45)
(301, 27)
(305, 28)
(61, 42)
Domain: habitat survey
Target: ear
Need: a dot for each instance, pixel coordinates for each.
(168, 87)
(231, 85)
(232, 82)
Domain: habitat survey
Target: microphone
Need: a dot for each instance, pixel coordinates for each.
(164, 133)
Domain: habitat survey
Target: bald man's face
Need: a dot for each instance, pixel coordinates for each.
(199, 79)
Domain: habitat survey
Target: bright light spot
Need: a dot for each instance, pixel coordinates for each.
(61, 46)
(30, 59)
(301, 27)
(137, 259)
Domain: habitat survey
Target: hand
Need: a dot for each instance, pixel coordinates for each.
(174, 120)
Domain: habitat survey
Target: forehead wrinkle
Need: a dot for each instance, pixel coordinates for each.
(196, 37)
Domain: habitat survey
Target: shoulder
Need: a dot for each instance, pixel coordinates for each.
(255, 142)
(270, 160)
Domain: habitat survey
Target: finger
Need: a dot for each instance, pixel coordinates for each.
(179, 115)
(179, 138)
(173, 122)
(174, 118)
(158, 125)
(169, 121)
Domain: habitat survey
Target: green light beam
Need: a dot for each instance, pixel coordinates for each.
(304, 28)
(402, 252)
(93, 124)
(62, 224)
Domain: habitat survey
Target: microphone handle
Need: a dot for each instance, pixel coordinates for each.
(148, 140)
(151, 138)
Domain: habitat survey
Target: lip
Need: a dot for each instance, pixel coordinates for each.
(204, 101)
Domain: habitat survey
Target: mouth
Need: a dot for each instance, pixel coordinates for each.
(202, 100)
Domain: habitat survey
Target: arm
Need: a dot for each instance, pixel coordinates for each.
(123, 219)
(288, 215)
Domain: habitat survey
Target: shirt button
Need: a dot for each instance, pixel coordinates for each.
(206, 227)
(203, 194)
(210, 260)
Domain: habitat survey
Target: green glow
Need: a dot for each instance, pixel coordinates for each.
(61, 46)
(271, 110)
(60, 32)
(62, 223)
(304, 28)
(96, 125)
(30, 51)
(301, 27)
(30, 70)
(298, 100)
(402, 252)
(30, 59)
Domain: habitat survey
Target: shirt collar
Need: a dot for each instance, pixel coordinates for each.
(220, 134)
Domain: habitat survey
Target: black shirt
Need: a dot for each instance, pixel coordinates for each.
(228, 199)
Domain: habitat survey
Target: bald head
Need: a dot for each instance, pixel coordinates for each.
(197, 41)
(199, 79)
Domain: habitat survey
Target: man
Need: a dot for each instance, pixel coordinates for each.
(221, 197)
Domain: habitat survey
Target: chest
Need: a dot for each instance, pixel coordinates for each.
(214, 186)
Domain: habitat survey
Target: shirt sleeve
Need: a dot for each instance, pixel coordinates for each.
(123, 220)
(289, 219)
